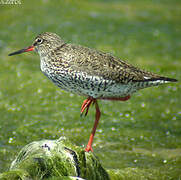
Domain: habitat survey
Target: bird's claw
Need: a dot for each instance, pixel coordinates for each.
(88, 148)
(85, 106)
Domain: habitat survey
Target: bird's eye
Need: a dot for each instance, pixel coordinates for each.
(39, 41)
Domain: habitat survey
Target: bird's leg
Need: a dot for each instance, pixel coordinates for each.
(86, 104)
(118, 98)
(98, 114)
(91, 138)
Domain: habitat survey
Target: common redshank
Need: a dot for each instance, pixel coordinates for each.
(90, 73)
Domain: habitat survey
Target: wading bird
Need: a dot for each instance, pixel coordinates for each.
(90, 73)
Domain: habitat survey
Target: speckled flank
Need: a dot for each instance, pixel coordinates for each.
(90, 72)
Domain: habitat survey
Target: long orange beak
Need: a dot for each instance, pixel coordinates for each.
(30, 48)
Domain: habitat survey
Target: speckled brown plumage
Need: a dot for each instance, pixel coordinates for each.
(90, 72)
(93, 62)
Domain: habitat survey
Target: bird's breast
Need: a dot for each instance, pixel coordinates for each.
(83, 84)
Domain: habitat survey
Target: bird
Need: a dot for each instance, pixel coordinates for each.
(91, 73)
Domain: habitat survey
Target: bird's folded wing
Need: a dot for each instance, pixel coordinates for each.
(97, 63)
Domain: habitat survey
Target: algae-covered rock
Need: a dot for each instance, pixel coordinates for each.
(55, 159)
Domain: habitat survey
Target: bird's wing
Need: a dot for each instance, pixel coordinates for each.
(97, 63)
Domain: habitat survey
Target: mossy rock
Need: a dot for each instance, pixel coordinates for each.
(55, 159)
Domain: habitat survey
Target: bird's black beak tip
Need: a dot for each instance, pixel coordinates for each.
(30, 48)
(11, 54)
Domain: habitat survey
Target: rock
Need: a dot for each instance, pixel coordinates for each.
(55, 159)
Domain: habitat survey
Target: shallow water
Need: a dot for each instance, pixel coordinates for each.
(144, 132)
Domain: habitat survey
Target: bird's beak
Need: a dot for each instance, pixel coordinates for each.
(30, 48)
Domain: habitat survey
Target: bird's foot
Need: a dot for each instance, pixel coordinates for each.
(86, 104)
(88, 148)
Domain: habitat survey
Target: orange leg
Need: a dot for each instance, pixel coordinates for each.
(118, 99)
(85, 106)
(91, 138)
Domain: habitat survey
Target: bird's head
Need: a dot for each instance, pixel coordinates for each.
(42, 44)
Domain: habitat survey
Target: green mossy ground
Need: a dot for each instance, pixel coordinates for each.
(141, 135)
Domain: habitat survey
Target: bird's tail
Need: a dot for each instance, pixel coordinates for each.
(162, 80)
(154, 81)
